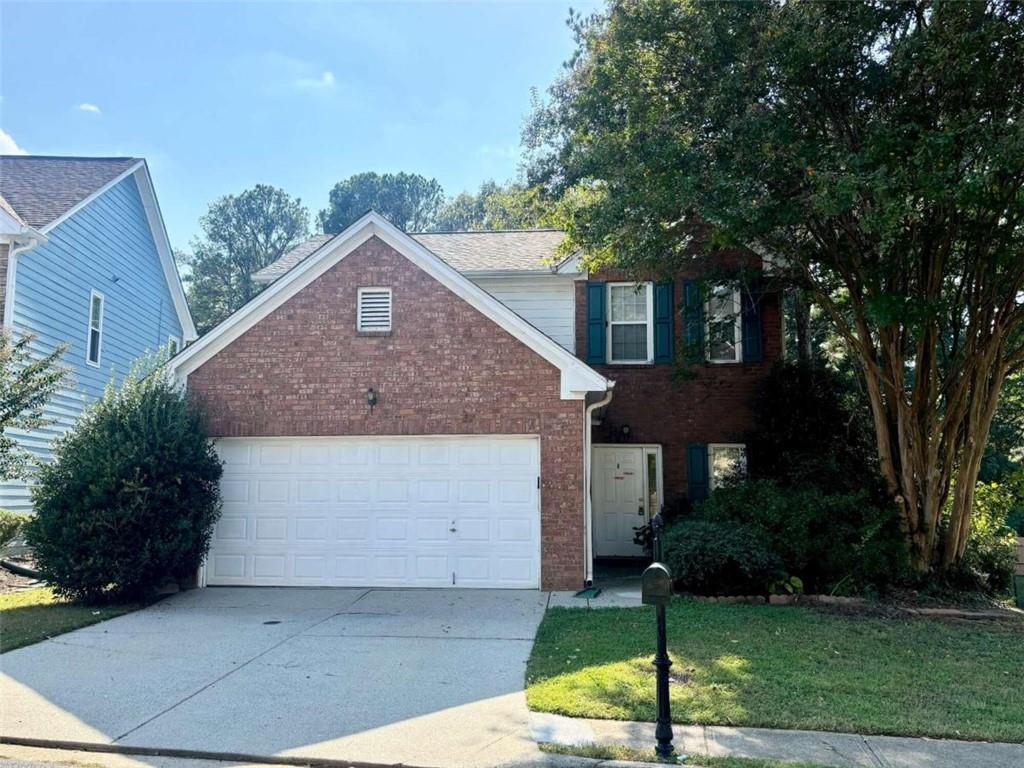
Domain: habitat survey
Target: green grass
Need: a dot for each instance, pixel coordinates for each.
(790, 667)
(36, 614)
(620, 752)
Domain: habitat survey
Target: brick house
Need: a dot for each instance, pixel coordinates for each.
(431, 410)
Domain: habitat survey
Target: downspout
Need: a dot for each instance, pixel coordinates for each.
(588, 507)
(32, 239)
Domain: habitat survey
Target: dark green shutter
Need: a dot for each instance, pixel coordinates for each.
(750, 302)
(697, 471)
(596, 325)
(693, 317)
(663, 322)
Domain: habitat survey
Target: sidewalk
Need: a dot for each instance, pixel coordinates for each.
(838, 749)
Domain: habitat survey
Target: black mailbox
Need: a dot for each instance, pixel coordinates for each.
(656, 585)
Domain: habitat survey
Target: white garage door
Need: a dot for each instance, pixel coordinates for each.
(362, 511)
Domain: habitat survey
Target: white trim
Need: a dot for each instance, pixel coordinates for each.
(588, 470)
(577, 378)
(649, 322)
(93, 295)
(360, 292)
(737, 327)
(144, 183)
(16, 247)
(711, 465)
(645, 449)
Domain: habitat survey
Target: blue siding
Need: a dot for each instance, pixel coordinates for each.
(108, 238)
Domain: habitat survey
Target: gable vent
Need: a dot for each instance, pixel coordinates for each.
(374, 312)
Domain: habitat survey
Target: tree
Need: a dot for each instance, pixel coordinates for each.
(241, 235)
(877, 149)
(26, 383)
(409, 201)
(508, 206)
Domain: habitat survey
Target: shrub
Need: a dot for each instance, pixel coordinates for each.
(131, 497)
(825, 539)
(719, 557)
(11, 524)
(991, 554)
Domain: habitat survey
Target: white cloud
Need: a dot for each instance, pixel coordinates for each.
(85, 106)
(9, 146)
(323, 83)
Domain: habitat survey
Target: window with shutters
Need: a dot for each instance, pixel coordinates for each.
(374, 312)
(94, 340)
(630, 322)
(726, 462)
(724, 325)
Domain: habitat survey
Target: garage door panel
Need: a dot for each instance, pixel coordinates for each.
(371, 511)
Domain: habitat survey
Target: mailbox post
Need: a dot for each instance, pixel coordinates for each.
(656, 590)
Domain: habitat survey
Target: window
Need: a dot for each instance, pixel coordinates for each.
(726, 461)
(374, 313)
(725, 325)
(630, 309)
(94, 341)
(172, 345)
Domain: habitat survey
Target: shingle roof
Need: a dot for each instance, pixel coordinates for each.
(42, 189)
(515, 250)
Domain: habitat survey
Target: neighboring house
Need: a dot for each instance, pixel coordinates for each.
(431, 410)
(85, 262)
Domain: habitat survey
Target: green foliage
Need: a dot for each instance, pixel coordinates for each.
(26, 382)
(409, 201)
(131, 497)
(992, 545)
(11, 524)
(508, 206)
(241, 234)
(826, 539)
(719, 557)
(813, 427)
(1004, 453)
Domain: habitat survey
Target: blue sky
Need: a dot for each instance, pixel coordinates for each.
(220, 96)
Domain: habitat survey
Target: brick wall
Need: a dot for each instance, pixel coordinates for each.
(714, 406)
(443, 370)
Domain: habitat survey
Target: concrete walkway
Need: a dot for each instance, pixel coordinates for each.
(838, 749)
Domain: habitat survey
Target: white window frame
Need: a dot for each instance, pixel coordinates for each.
(93, 295)
(737, 298)
(649, 291)
(172, 339)
(359, 308)
(711, 459)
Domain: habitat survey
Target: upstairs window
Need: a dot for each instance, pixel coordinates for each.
(374, 311)
(724, 325)
(94, 341)
(630, 327)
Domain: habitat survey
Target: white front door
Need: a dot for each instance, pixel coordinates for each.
(389, 511)
(626, 489)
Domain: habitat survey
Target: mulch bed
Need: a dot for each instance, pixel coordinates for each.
(12, 582)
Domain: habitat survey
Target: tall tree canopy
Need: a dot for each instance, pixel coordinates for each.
(506, 206)
(409, 201)
(875, 148)
(241, 234)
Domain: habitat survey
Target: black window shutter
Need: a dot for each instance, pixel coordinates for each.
(596, 325)
(693, 317)
(750, 302)
(664, 303)
(697, 472)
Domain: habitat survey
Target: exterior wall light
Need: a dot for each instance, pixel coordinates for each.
(371, 398)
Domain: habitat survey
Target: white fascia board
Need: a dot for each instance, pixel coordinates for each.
(10, 227)
(577, 377)
(163, 246)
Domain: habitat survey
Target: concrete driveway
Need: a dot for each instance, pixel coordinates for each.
(427, 677)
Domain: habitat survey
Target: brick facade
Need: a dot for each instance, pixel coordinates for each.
(444, 369)
(711, 406)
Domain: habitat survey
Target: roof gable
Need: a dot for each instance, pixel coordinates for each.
(519, 251)
(577, 378)
(42, 190)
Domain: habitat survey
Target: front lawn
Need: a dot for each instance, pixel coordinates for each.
(35, 614)
(791, 667)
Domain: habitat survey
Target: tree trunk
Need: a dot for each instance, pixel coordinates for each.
(802, 321)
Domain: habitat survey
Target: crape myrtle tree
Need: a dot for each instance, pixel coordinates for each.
(874, 149)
